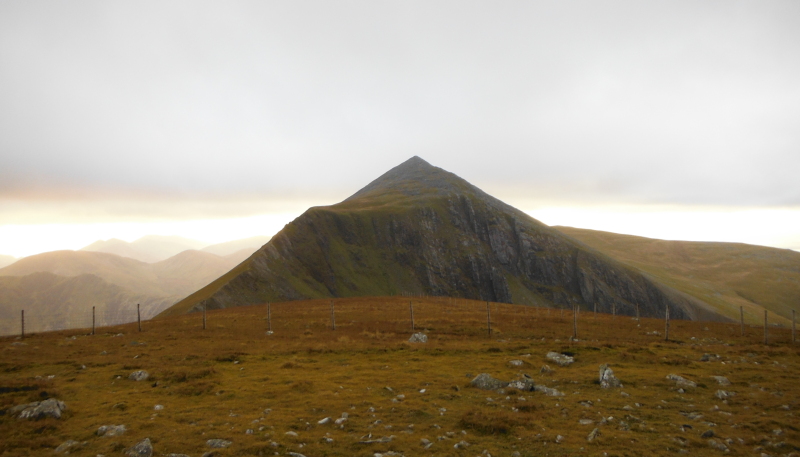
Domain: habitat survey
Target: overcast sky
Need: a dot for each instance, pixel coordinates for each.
(115, 113)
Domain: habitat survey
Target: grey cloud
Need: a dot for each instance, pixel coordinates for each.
(670, 102)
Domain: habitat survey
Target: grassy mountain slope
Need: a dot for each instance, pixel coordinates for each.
(54, 302)
(725, 275)
(421, 230)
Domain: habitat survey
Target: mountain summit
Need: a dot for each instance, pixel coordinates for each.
(419, 229)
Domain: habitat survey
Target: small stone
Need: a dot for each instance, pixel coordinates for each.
(724, 394)
(418, 337)
(142, 449)
(722, 380)
(516, 363)
(324, 421)
(158, 407)
(718, 445)
(607, 378)
(67, 446)
(593, 434)
(139, 375)
(291, 433)
(681, 381)
(707, 434)
(549, 391)
(40, 409)
(586, 422)
(546, 369)
(485, 381)
(217, 443)
(111, 430)
(562, 360)
(249, 431)
(461, 445)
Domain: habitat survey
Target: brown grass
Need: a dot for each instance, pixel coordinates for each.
(218, 383)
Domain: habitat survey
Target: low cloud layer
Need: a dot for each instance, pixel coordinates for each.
(691, 103)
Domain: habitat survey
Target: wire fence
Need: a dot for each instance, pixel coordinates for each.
(454, 316)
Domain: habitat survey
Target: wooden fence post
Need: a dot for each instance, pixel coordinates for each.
(269, 316)
(638, 319)
(741, 318)
(411, 308)
(488, 319)
(93, 320)
(765, 326)
(139, 316)
(333, 317)
(666, 328)
(23, 323)
(574, 322)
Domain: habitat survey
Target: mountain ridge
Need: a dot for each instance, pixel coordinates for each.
(421, 229)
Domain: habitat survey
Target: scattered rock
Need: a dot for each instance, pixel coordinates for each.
(426, 443)
(291, 433)
(709, 357)
(549, 391)
(524, 385)
(295, 454)
(485, 381)
(217, 443)
(385, 439)
(177, 455)
(593, 434)
(40, 409)
(158, 407)
(139, 375)
(546, 369)
(722, 380)
(607, 378)
(718, 445)
(516, 363)
(67, 446)
(141, 449)
(111, 430)
(461, 445)
(324, 421)
(418, 338)
(561, 360)
(586, 422)
(707, 434)
(680, 381)
(724, 394)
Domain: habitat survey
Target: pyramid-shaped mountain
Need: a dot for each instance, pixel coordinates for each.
(419, 229)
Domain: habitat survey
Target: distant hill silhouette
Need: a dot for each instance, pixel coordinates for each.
(150, 248)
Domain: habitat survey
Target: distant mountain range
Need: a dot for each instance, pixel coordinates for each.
(154, 248)
(57, 289)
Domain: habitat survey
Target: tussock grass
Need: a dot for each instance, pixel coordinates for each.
(232, 377)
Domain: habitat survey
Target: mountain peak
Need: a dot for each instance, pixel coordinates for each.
(413, 177)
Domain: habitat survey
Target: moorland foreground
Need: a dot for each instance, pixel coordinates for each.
(270, 394)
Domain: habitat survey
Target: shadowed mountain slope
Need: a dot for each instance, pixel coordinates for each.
(419, 229)
(725, 275)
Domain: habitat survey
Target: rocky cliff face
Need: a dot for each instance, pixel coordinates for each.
(419, 229)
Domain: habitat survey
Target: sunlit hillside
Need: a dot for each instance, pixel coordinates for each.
(725, 275)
